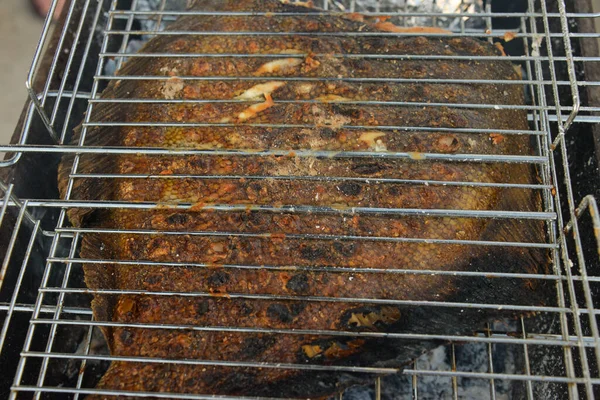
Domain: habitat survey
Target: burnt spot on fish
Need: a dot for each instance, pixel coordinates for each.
(279, 312)
(350, 188)
(345, 249)
(351, 113)
(378, 42)
(157, 248)
(217, 279)
(242, 381)
(368, 168)
(315, 46)
(251, 219)
(313, 252)
(202, 307)
(178, 219)
(190, 382)
(328, 133)
(297, 308)
(255, 346)
(358, 65)
(298, 283)
(456, 120)
(246, 309)
(134, 248)
(198, 162)
(153, 279)
(394, 190)
(126, 337)
(142, 304)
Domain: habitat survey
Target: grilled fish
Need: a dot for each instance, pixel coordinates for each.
(275, 235)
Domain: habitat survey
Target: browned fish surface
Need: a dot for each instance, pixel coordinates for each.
(222, 264)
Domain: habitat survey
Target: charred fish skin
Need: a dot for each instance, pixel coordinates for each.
(243, 275)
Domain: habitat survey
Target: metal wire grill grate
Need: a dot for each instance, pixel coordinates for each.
(62, 351)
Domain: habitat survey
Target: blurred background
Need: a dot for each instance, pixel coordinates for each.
(20, 28)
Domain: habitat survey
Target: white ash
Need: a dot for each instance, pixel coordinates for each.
(471, 357)
(414, 6)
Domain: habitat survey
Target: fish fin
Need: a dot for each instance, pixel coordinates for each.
(99, 277)
(91, 189)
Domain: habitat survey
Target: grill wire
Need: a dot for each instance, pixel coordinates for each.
(552, 355)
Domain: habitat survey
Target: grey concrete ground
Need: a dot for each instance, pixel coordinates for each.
(20, 29)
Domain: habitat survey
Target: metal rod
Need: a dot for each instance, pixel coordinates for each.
(474, 106)
(480, 35)
(67, 68)
(527, 363)
(503, 376)
(7, 196)
(10, 161)
(313, 236)
(589, 203)
(161, 14)
(325, 299)
(383, 56)
(288, 268)
(34, 66)
(487, 339)
(342, 56)
(57, 313)
(415, 381)
(118, 393)
(125, 39)
(454, 369)
(570, 201)
(404, 13)
(86, 351)
(377, 180)
(13, 301)
(11, 244)
(60, 222)
(490, 364)
(570, 66)
(221, 363)
(549, 174)
(544, 216)
(75, 93)
(379, 127)
(36, 311)
(267, 153)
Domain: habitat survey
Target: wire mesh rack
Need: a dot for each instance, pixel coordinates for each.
(53, 346)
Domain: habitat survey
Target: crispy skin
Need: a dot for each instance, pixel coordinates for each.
(197, 264)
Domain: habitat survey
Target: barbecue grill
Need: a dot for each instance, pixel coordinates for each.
(50, 346)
